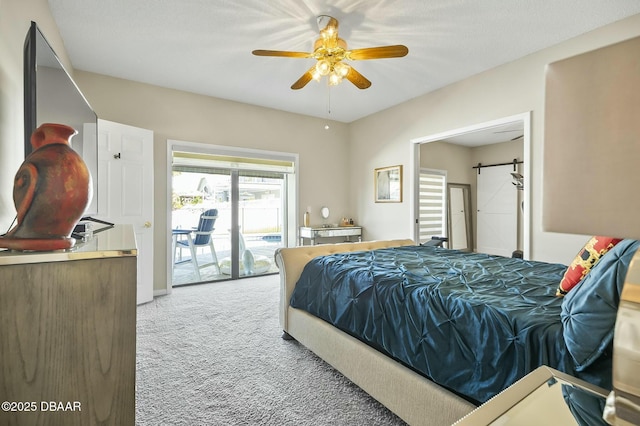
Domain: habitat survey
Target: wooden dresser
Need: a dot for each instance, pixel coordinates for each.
(68, 333)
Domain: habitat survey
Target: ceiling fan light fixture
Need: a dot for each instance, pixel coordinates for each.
(316, 75)
(323, 67)
(341, 69)
(334, 79)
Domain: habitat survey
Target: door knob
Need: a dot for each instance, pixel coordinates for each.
(147, 224)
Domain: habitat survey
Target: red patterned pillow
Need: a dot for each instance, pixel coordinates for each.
(595, 248)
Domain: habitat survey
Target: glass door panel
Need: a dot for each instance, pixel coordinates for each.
(201, 226)
(261, 207)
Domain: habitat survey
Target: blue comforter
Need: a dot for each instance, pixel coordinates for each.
(471, 322)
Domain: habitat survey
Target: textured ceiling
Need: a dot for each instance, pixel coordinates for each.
(204, 46)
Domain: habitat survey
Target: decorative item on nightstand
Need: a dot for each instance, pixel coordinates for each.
(51, 191)
(306, 219)
(346, 222)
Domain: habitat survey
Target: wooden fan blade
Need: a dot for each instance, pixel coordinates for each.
(395, 51)
(282, 53)
(357, 79)
(302, 81)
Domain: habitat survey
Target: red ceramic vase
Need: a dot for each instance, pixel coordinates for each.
(51, 191)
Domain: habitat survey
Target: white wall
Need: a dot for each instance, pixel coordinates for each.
(383, 139)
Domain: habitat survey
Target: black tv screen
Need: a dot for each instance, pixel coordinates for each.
(51, 96)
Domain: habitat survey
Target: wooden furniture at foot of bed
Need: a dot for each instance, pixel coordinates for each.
(415, 399)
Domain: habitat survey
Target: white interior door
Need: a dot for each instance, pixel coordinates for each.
(125, 190)
(497, 216)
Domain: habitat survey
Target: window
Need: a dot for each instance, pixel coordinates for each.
(432, 205)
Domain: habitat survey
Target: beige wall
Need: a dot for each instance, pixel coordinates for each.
(172, 114)
(385, 138)
(455, 159)
(327, 176)
(502, 152)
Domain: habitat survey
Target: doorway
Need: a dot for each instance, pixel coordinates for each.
(230, 211)
(512, 128)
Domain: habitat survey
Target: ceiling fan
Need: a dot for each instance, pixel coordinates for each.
(330, 51)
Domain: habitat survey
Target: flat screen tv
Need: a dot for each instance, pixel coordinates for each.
(51, 96)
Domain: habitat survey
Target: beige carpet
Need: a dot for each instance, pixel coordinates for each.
(211, 354)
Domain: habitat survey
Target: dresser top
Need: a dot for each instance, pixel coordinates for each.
(118, 241)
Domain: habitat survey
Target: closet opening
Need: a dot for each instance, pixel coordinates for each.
(495, 211)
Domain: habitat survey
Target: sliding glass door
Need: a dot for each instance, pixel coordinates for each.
(260, 221)
(201, 244)
(228, 217)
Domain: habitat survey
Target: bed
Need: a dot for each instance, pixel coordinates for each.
(431, 332)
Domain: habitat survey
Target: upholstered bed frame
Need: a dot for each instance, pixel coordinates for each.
(415, 399)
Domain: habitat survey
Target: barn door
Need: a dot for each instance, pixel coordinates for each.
(497, 215)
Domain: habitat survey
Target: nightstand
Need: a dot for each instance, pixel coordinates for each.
(543, 397)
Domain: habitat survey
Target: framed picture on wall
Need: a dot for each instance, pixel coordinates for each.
(388, 184)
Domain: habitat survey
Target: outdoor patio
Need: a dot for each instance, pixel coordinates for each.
(259, 245)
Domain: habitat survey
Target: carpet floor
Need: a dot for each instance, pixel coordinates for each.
(212, 354)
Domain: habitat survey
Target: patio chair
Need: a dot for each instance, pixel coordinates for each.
(198, 237)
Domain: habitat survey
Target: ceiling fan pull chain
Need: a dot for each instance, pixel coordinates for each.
(326, 126)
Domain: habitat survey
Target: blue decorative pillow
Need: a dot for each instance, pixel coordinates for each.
(589, 310)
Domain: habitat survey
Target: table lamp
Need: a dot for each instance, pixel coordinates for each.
(591, 179)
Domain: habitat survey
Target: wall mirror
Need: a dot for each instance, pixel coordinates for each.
(51, 96)
(460, 235)
(324, 212)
